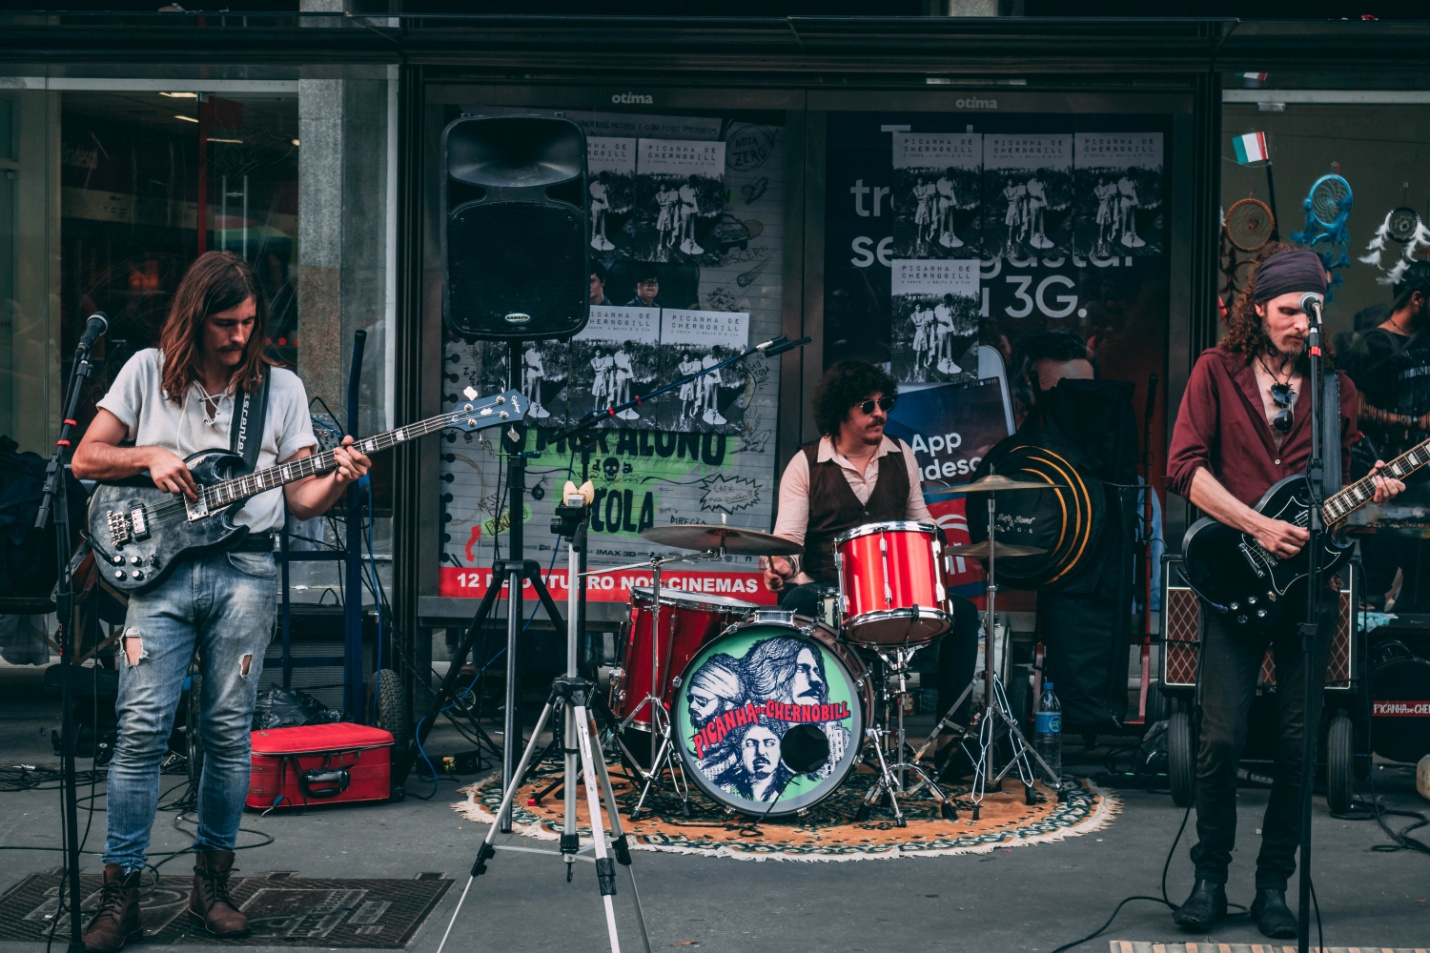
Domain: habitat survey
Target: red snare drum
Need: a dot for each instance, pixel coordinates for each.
(687, 622)
(891, 584)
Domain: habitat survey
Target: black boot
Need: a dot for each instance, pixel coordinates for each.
(1203, 908)
(1272, 916)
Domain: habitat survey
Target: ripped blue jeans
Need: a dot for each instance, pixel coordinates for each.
(224, 605)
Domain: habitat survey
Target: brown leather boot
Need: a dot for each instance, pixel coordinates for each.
(117, 921)
(210, 901)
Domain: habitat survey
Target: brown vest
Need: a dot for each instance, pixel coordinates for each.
(834, 509)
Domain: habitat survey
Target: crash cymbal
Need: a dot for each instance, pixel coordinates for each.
(739, 542)
(993, 483)
(980, 550)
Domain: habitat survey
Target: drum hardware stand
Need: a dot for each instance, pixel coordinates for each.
(997, 712)
(893, 774)
(572, 695)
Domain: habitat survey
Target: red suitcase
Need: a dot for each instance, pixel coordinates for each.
(320, 764)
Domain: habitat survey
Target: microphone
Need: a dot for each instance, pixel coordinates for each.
(1311, 304)
(787, 346)
(97, 325)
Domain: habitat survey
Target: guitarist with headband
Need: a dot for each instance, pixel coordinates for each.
(1244, 425)
(205, 387)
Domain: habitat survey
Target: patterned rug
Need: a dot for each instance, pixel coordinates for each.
(827, 832)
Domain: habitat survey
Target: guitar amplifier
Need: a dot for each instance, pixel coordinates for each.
(1181, 635)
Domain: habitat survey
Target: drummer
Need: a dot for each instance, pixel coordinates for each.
(856, 474)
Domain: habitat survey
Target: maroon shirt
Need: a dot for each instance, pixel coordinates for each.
(1222, 426)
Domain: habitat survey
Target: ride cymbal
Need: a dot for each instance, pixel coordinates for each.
(979, 550)
(739, 542)
(995, 483)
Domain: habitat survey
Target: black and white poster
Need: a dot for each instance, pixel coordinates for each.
(680, 194)
(694, 341)
(611, 182)
(541, 376)
(1119, 193)
(615, 359)
(935, 319)
(938, 194)
(1028, 195)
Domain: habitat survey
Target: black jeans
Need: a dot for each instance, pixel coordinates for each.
(957, 649)
(1231, 659)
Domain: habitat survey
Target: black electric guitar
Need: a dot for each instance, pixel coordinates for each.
(139, 532)
(1235, 575)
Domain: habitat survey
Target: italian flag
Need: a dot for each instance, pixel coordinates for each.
(1250, 147)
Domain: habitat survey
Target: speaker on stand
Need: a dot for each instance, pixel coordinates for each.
(515, 268)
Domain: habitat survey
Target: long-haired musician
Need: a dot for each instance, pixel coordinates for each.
(167, 403)
(1244, 425)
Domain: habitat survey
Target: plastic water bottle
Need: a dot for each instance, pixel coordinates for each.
(1048, 730)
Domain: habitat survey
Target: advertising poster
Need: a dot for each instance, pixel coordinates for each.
(935, 319)
(938, 194)
(643, 476)
(542, 371)
(1027, 187)
(680, 193)
(611, 181)
(693, 341)
(616, 357)
(1118, 177)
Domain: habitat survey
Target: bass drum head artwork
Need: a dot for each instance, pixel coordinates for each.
(769, 719)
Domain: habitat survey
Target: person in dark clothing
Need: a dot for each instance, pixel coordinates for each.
(1244, 424)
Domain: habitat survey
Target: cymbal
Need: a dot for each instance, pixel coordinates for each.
(739, 542)
(994, 483)
(980, 550)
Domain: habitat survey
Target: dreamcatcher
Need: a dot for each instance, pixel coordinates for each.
(1246, 227)
(1403, 226)
(1327, 207)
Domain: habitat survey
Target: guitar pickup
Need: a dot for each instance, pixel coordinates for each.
(1252, 560)
(126, 527)
(197, 509)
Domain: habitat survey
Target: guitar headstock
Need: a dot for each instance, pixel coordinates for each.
(478, 413)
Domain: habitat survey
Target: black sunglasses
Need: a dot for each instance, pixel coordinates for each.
(886, 404)
(1282, 394)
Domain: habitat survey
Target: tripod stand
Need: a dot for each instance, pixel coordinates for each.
(572, 695)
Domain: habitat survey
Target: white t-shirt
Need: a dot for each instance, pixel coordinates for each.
(184, 429)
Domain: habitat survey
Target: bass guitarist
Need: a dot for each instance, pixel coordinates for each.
(1244, 424)
(166, 404)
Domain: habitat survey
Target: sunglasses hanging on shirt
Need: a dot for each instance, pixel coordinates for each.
(1282, 394)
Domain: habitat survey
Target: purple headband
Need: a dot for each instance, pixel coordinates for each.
(1289, 272)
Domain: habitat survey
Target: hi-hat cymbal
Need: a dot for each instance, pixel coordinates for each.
(980, 550)
(993, 483)
(739, 542)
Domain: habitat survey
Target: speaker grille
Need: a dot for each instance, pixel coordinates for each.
(1181, 612)
(506, 258)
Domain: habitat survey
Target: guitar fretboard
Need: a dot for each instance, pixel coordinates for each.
(1351, 498)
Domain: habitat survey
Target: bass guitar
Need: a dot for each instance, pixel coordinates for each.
(139, 533)
(1238, 577)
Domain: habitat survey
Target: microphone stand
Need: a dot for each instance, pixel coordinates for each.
(1310, 630)
(56, 500)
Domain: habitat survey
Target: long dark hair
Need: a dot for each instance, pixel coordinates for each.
(1244, 331)
(217, 281)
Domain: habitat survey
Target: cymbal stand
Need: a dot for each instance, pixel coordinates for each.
(997, 712)
(893, 772)
(662, 751)
(572, 695)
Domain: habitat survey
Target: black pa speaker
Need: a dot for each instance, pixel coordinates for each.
(516, 228)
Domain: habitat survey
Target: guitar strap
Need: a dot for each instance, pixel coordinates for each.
(250, 417)
(1332, 432)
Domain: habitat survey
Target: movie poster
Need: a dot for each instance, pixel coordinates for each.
(679, 195)
(611, 182)
(542, 370)
(614, 359)
(693, 341)
(1119, 193)
(935, 320)
(1028, 194)
(938, 190)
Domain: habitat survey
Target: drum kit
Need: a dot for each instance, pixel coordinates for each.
(768, 712)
